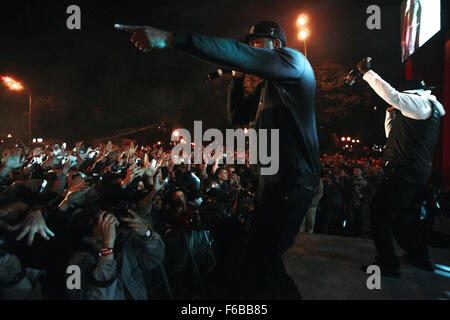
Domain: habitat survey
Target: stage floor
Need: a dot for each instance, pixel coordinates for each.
(329, 267)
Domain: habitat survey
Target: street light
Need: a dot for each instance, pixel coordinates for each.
(17, 86)
(303, 32)
(301, 21)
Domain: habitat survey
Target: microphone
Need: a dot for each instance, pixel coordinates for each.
(219, 73)
(354, 75)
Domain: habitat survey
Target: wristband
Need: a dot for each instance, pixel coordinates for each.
(104, 252)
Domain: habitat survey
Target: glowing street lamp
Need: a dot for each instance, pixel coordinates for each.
(17, 86)
(301, 21)
(303, 32)
(12, 84)
(302, 35)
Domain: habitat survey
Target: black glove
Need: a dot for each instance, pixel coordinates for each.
(364, 65)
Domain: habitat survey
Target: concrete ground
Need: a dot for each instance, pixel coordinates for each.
(328, 268)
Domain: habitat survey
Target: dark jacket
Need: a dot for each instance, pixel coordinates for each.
(410, 146)
(106, 280)
(286, 97)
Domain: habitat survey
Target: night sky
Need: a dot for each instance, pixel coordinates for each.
(97, 83)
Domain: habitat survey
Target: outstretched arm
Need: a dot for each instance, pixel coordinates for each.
(282, 64)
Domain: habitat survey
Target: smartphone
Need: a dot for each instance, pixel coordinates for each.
(44, 184)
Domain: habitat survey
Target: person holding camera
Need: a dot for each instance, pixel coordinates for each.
(412, 130)
(114, 260)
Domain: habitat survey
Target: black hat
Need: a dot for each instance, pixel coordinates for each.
(415, 84)
(267, 29)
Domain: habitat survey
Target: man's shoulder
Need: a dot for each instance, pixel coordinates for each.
(291, 53)
(297, 60)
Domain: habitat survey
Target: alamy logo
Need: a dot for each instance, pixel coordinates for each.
(374, 280)
(73, 22)
(374, 20)
(258, 147)
(74, 277)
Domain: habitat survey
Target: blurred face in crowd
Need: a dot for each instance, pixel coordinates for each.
(336, 170)
(179, 197)
(367, 166)
(222, 175)
(377, 171)
(158, 202)
(357, 172)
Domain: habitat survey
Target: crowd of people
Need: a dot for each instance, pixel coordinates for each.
(345, 194)
(116, 213)
(123, 215)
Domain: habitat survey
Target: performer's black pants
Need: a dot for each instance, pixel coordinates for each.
(396, 214)
(277, 220)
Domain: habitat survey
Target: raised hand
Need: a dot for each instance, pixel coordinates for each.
(106, 229)
(151, 168)
(157, 182)
(135, 223)
(34, 223)
(109, 147)
(132, 153)
(132, 173)
(364, 65)
(147, 38)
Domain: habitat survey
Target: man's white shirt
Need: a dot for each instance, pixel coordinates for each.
(415, 104)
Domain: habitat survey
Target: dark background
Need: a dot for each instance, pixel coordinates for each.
(94, 83)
